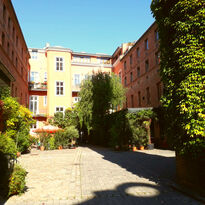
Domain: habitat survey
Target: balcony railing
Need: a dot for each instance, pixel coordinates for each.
(37, 86)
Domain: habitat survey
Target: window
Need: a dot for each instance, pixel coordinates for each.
(131, 77)
(13, 33)
(12, 56)
(76, 99)
(148, 95)
(157, 58)
(59, 88)
(26, 101)
(17, 41)
(9, 24)
(138, 52)
(4, 12)
(33, 104)
(125, 81)
(59, 109)
(3, 40)
(125, 65)
(22, 52)
(34, 54)
(16, 62)
(132, 101)
(139, 98)
(8, 49)
(103, 60)
(45, 100)
(76, 79)
(130, 59)
(159, 91)
(146, 66)
(86, 77)
(34, 77)
(45, 77)
(146, 44)
(156, 35)
(59, 64)
(138, 71)
(120, 77)
(16, 92)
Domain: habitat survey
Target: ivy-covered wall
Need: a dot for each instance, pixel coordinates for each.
(181, 26)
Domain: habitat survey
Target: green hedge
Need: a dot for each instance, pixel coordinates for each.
(17, 180)
(125, 128)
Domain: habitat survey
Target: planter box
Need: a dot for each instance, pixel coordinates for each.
(191, 173)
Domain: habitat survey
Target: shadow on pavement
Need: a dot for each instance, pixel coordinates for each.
(150, 166)
(156, 168)
(121, 196)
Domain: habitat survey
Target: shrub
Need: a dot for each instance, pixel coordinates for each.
(17, 180)
(51, 142)
(7, 145)
(63, 138)
(71, 132)
(126, 128)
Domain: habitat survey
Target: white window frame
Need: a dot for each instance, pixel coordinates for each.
(45, 76)
(45, 100)
(60, 87)
(59, 107)
(76, 99)
(35, 75)
(37, 110)
(74, 81)
(58, 62)
(34, 55)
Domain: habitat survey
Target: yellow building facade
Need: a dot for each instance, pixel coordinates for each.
(55, 77)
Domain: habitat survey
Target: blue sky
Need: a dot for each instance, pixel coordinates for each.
(94, 26)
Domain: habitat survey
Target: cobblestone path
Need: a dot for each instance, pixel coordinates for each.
(99, 176)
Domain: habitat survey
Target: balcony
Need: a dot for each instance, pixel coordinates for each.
(38, 86)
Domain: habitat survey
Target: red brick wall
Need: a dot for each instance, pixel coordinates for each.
(149, 79)
(14, 53)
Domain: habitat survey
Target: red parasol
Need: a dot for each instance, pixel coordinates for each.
(47, 129)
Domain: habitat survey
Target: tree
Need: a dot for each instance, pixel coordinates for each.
(99, 95)
(181, 26)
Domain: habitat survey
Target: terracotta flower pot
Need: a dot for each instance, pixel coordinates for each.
(134, 149)
(60, 147)
(141, 147)
(18, 154)
(42, 148)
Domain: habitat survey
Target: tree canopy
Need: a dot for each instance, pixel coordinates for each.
(99, 95)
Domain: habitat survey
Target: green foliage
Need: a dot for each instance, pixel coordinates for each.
(71, 132)
(62, 120)
(17, 180)
(61, 139)
(181, 26)
(129, 128)
(51, 143)
(17, 119)
(99, 95)
(139, 123)
(7, 145)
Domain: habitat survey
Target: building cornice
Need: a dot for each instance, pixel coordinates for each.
(138, 40)
(92, 64)
(91, 54)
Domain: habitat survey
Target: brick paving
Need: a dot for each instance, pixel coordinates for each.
(99, 176)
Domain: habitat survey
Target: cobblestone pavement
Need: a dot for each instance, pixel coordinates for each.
(99, 176)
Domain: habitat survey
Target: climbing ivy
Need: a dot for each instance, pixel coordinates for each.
(181, 26)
